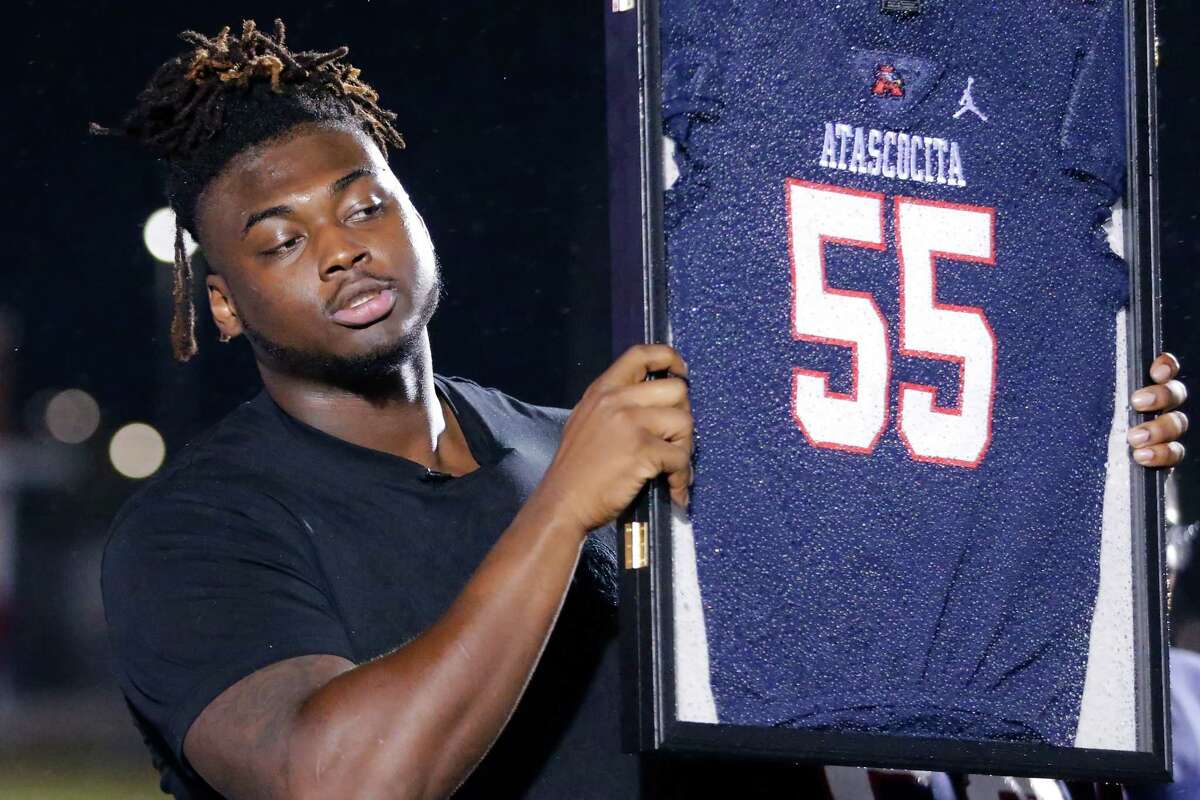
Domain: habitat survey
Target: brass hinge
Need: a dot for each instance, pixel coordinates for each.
(623, 5)
(637, 545)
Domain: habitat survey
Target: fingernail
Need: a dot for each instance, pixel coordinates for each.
(1143, 455)
(1142, 398)
(1161, 373)
(1138, 436)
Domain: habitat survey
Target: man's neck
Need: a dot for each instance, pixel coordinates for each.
(406, 420)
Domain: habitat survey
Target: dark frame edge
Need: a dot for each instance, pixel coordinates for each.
(630, 234)
(1145, 325)
(898, 752)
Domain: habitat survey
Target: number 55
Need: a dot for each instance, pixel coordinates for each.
(957, 434)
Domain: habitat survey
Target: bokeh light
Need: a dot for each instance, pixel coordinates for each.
(137, 450)
(159, 236)
(72, 416)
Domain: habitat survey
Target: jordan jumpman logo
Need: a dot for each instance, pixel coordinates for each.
(967, 103)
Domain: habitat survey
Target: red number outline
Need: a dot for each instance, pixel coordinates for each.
(797, 336)
(934, 255)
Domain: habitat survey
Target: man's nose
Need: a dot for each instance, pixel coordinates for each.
(342, 252)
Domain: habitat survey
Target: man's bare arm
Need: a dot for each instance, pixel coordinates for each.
(415, 722)
(239, 742)
(411, 723)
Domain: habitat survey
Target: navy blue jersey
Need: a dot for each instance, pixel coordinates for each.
(887, 276)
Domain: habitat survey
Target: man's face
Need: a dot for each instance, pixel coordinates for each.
(321, 258)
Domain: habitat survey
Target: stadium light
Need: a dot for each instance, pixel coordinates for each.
(72, 416)
(137, 450)
(159, 235)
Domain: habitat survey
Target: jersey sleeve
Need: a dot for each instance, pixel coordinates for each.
(693, 70)
(1093, 131)
(200, 592)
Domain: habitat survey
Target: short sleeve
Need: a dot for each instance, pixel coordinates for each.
(201, 590)
(1093, 131)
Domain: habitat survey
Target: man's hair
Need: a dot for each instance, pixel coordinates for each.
(227, 94)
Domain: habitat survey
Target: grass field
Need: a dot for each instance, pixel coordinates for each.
(81, 786)
(62, 780)
(73, 745)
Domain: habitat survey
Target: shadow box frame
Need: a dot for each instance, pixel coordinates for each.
(649, 722)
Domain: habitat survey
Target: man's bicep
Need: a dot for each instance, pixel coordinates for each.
(239, 742)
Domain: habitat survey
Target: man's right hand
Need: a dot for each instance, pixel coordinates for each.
(624, 431)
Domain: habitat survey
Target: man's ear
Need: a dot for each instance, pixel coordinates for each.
(224, 312)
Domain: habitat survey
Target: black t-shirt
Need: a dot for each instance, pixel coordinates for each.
(267, 539)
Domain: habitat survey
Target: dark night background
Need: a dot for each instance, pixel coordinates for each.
(502, 106)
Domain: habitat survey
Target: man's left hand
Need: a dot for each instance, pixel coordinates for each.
(1155, 443)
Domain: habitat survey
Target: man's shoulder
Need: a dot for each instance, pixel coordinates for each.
(226, 467)
(497, 406)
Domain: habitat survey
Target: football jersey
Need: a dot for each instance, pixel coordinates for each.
(887, 276)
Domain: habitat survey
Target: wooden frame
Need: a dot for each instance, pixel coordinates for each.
(639, 315)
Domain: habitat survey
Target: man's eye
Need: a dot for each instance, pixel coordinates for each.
(282, 248)
(368, 211)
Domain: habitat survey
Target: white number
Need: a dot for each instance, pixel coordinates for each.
(820, 215)
(956, 434)
(925, 231)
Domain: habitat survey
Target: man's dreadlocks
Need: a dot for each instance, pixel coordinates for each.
(227, 94)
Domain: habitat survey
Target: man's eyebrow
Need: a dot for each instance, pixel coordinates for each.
(335, 188)
(350, 177)
(259, 216)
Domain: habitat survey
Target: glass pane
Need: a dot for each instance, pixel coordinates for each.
(908, 353)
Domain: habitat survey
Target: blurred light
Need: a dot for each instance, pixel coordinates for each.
(1181, 541)
(137, 450)
(72, 416)
(1171, 500)
(159, 235)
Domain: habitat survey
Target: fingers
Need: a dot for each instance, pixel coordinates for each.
(1154, 441)
(634, 363)
(1166, 428)
(669, 424)
(672, 430)
(1164, 368)
(1159, 455)
(1159, 397)
(676, 462)
(660, 407)
(663, 392)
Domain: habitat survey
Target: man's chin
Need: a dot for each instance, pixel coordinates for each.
(371, 371)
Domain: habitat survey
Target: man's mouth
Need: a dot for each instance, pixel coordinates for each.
(366, 307)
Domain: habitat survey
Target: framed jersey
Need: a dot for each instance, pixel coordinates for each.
(908, 250)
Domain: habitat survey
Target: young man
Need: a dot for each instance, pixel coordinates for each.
(373, 580)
